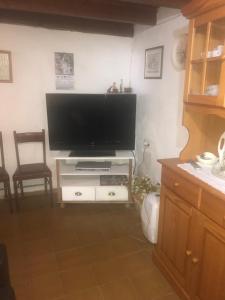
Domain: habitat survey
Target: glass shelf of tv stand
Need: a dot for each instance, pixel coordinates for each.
(120, 154)
(116, 169)
(79, 181)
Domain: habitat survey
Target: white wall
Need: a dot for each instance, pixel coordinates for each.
(99, 60)
(159, 107)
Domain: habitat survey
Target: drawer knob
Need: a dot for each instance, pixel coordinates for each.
(188, 252)
(176, 184)
(78, 194)
(195, 260)
(111, 193)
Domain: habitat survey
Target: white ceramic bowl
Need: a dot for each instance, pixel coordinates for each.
(207, 158)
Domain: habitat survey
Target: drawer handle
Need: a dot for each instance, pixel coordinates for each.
(188, 252)
(195, 260)
(78, 194)
(112, 194)
(176, 184)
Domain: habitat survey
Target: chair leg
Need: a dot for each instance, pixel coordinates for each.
(46, 186)
(21, 188)
(9, 196)
(51, 191)
(5, 189)
(16, 195)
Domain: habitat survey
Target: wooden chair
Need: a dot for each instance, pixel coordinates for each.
(33, 170)
(4, 176)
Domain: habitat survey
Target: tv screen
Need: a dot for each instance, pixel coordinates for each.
(91, 121)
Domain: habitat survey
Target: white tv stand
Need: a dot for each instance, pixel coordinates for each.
(74, 186)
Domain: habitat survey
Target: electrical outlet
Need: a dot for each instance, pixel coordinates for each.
(146, 143)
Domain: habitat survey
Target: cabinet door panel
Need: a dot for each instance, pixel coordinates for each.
(211, 283)
(174, 234)
(205, 72)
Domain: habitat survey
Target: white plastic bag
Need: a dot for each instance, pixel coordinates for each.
(150, 216)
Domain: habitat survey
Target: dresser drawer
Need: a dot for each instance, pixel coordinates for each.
(110, 193)
(78, 193)
(180, 186)
(213, 207)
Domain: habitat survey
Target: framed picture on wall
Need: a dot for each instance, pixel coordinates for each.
(5, 66)
(64, 70)
(153, 63)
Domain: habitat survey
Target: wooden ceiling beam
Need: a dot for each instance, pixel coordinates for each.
(158, 3)
(95, 9)
(66, 23)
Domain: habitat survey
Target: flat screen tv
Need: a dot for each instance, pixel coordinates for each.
(91, 122)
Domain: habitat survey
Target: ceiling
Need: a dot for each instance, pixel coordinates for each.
(115, 17)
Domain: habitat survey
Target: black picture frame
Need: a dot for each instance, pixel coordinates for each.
(5, 66)
(153, 63)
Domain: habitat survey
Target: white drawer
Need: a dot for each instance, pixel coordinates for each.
(78, 193)
(110, 193)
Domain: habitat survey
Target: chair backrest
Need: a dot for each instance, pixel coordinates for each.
(29, 137)
(2, 151)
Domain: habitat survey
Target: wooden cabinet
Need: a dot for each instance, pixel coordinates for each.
(206, 59)
(206, 72)
(208, 281)
(191, 240)
(204, 94)
(174, 229)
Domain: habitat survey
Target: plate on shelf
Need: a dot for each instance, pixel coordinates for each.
(179, 52)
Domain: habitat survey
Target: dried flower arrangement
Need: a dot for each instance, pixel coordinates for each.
(141, 187)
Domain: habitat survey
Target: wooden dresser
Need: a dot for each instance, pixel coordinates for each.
(191, 241)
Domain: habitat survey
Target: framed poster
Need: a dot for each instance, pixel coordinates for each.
(153, 63)
(5, 66)
(64, 70)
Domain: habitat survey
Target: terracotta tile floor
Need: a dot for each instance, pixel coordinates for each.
(81, 252)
